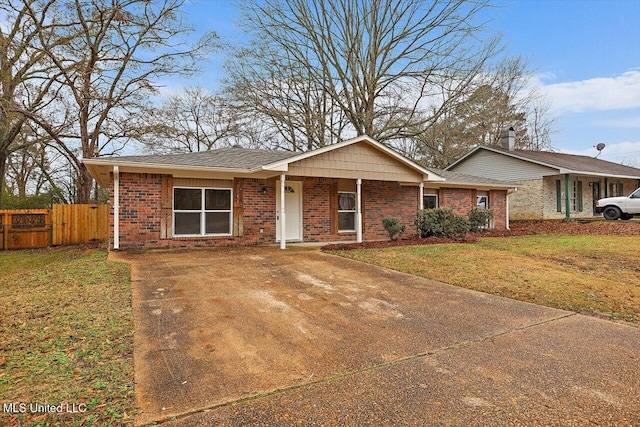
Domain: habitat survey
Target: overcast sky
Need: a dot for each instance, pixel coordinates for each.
(586, 55)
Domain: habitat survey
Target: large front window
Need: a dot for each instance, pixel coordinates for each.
(346, 211)
(202, 211)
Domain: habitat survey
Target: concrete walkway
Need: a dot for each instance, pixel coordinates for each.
(258, 336)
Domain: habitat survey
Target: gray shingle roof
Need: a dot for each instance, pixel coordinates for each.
(246, 158)
(461, 178)
(574, 162)
(228, 157)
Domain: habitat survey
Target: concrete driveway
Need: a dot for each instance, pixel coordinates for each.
(259, 336)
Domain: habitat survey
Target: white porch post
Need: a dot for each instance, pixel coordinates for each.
(283, 243)
(421, 196)
(508, 227)
(116, 208)
(359, 210)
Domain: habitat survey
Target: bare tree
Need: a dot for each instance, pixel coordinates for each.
(499, 99)
(540, 125)
(115, 54)
(380, 63)
(285, 98)
(25, 72)
(194, 120)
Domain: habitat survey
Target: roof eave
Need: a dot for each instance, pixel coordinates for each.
(599, 174)
(454, 184)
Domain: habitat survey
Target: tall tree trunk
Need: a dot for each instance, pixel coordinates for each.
(83, 185)
(3, 169)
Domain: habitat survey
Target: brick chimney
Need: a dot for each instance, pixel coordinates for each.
(508, 139)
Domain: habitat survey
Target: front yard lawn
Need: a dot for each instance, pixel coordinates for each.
(598, 275)
(66, 338)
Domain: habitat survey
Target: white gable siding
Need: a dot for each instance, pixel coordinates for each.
(499, 166)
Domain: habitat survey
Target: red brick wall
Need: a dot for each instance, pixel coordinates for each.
(139, 209)
(498, 204)
(379, 199)
(140, 198)
(316, 211)
(388, 199)
(140, 201)
(460, 200)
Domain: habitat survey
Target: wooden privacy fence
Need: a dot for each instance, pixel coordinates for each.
(61, 225)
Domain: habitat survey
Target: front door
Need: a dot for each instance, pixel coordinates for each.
(595, 186)
(293, 211)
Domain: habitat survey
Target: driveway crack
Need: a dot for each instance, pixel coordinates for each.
(362, 370)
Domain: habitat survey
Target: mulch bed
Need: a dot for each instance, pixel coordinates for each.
(518, 228)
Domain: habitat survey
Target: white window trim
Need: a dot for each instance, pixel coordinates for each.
(486, 196)
(430, 195)
(203, 218)
(354, 211)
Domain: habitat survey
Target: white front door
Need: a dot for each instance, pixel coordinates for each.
(293, 211)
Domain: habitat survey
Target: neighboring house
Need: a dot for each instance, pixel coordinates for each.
(553, 185)
(232, 196)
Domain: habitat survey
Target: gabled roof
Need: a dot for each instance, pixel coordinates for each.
(564, 163)
(237, 161)
(234, 161)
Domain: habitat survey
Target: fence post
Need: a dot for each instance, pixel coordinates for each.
(50, 222)
(4, 231)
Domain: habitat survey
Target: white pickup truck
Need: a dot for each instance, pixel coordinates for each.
(613, 208)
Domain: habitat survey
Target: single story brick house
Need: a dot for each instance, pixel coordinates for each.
(552, 185)
(233, 195)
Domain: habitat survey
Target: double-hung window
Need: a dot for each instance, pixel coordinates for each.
(346, 211)
(202, 211)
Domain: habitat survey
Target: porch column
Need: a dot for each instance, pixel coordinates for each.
(567, 198)
(421, 196)
(116, 208)
(506, 223)
(283, 243)
(359, 210)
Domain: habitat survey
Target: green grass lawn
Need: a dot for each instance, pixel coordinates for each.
(597, 275)
(66, 336)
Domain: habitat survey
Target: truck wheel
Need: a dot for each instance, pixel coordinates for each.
(611, 213)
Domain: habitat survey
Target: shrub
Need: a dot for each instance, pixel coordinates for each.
(479, 218)
(440, 223)
(393, 227)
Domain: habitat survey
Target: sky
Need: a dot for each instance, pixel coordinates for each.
(585, 55)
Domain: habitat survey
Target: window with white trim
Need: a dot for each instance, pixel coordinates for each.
(482, 202)
(202, 211)
(430, 201)
(346, 211)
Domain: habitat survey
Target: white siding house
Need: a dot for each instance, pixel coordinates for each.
(553, 185)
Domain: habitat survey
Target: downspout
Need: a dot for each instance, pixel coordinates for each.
(116, 208)
(359, 210)
(567, 199)
(507, 219)
(283, 243)
(421, 196)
